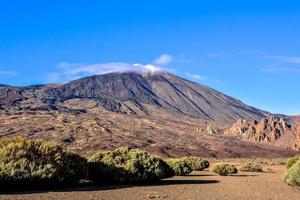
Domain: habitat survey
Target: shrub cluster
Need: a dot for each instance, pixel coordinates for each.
(224, 169)
(40, 163)
(292, 175)
(251, 167)
(292, 161)
(127, 165)
(197, 163)
(36, 162)
(179, 166)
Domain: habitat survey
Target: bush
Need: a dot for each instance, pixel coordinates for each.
(251, 167)
(179, 166)
(292, 175)
(196, 163)
(40, 163)
(292, 161)
(224, 169)
(127, 165)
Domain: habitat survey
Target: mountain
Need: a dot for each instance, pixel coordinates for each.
(159, 112)
(130, 92)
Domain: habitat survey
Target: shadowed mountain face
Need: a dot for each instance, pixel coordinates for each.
(197, 100)
(120, 87)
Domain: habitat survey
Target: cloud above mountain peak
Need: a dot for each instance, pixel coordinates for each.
(70, 71)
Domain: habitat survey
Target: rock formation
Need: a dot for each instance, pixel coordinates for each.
(270, 130)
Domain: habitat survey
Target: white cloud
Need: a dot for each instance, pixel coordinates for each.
(195, 76)
(70, 71)
(284, 59)
(164, 59)
(281, 69)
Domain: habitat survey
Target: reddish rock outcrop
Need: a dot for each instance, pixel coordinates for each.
(270, 130)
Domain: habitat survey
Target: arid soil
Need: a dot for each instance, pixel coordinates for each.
(198, 185)
(163, 134)
(296, 119)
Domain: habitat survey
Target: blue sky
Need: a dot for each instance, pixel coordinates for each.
(246, 49)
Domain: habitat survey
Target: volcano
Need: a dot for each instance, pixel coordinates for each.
(159, 112)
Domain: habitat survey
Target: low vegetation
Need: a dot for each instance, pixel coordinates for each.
(35, 162)
(251, 167)
(224, 169)
(292, 175)
(179, 166)
(127, 165)
(292, 161)
(196, 163)
(39, 163)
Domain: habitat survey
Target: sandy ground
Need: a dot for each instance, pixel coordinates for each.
(198, 185)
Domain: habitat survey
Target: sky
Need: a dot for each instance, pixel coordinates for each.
(247, 49)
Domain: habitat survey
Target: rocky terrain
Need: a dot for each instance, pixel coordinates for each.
(159, 112)
(270, 130)
(162, 134)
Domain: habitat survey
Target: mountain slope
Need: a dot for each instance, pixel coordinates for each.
(200, 101)
(163, 90)
(131, 93)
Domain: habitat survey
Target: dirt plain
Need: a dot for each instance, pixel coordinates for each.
(198, 185)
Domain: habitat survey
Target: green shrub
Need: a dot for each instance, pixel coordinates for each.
(196, 163)
(127, 165)
(179, 166)
(292, 161)
(36, 162)
(251, 167)
(224, 169)
(292, 175)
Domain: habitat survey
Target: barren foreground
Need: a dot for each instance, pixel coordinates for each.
(198, 185)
